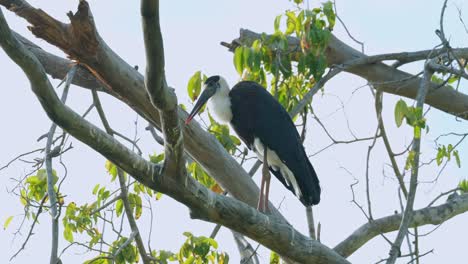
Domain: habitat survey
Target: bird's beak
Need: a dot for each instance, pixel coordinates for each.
(206, 94)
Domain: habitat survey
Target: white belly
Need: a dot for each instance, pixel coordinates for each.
(275, 162)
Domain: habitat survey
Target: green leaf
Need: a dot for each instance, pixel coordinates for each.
(290, 22)
(111, 169)
(68, 234)
(156, 158)
(401, 109)
(277, 23)
(440, 155)
(274, 258)
(417, 132)
(138, 206)
(463, 185)
(238, 61)
(7, 222)
(194, 85)
(410, 160)
(329, 13)
(119, 207)
(457, 158)
(95, 189)
(158, 195)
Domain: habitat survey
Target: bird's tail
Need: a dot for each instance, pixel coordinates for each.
(311, 187)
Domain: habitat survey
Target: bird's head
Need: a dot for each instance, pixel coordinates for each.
(214, 85)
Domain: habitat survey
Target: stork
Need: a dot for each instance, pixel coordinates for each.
(266, 128)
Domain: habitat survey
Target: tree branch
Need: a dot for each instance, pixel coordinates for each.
(427, 216)
(58, 67)
(408, 213)
(383, 132)
(50, 177)
(162, 97)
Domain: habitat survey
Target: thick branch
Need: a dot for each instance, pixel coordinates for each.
(162, 97)
(435, 215)
(155, 76)
(204, 204)
(58, 67)
(385, 77)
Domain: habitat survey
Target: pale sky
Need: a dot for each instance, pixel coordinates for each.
(192, 31)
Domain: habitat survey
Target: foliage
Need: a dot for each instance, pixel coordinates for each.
(200, 250)
(463, 185)
(291, 72)
(447, 152)
(7, 222)
(274, 258)
(36, 186)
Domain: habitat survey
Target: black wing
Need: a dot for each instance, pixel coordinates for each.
(256, 113)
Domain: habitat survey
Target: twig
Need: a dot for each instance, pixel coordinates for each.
(104, 206)
(391, 155)
(123, 187)
(50, 176)
(408, 213)
(19, 157)
(125, 244)
(30, 233)
(247, 252)
(442, 195)
(346, 28)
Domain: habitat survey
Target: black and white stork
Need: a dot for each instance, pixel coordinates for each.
(260, 120)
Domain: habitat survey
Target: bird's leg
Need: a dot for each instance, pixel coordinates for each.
(265, 185)
(260, 206)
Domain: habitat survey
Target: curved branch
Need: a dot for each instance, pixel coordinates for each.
(162, 97)
(435, 215)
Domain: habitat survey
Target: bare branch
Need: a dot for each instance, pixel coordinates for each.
(408, 213)
(247, 253)
(39, 211)
(123, 187)
(426, 216)
(383, 132)
(20, 156)
(162, 97)
(50, 177)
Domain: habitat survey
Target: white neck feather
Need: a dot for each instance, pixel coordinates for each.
(220, 103)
